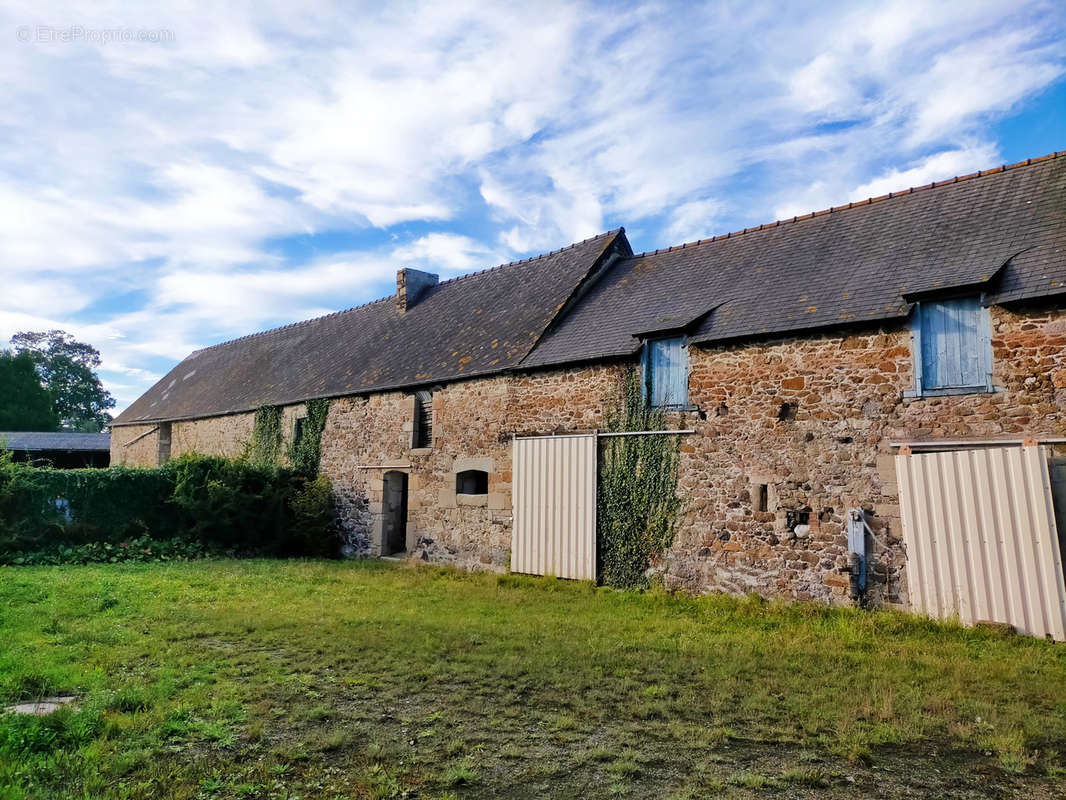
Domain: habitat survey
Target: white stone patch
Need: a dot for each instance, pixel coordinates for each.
(42, 707)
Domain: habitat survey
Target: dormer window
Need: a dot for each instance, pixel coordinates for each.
(952, 347)
(665, 367)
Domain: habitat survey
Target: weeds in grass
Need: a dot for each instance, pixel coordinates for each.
(382, 784)
(751, 780)
(462, 774)
(511, 751)
(806, 776)
(128, 700)
(212, 785)
(625, 766)
(328, 740)
(1011, 752)
(25, 683)
(256, 731)
(292, 678)
(1053, 766)
(563, 722)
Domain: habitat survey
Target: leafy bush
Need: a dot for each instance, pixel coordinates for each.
(235, 504)
(42, 507)
(254, 508)
(141, 549)
(192, 507)
(313, 527)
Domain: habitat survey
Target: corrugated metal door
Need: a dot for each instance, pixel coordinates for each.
(979, 526)
(554, 500)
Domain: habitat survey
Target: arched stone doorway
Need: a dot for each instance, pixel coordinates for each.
(394, 513)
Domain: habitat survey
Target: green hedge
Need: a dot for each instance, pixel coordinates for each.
(220, 504)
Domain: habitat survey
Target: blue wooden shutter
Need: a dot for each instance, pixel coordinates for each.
(667, 363)
(954, 341)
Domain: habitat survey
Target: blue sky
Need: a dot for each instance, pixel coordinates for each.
(254, 164)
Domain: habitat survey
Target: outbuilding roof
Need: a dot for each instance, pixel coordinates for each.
(65, 441)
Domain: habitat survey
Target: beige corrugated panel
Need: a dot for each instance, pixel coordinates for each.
(554, 499)
(979, 526)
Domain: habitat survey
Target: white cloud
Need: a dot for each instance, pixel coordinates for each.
(693, 220)
(979, 78)
(937, 167)
(448, 252)
(821, 86)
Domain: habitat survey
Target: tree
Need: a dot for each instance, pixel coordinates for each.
(67, 369)
(25, 405)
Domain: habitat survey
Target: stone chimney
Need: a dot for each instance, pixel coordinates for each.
(412, 284)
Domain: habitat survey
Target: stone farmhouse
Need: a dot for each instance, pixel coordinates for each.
(800, 354)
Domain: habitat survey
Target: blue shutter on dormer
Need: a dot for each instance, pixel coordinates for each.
(954, 344)
(666, 376)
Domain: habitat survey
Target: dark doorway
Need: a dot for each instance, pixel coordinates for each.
(394, 513)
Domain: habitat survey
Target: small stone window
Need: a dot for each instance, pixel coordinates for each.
(472, 481)
(163, 448)
(758, 497)
(423, 432)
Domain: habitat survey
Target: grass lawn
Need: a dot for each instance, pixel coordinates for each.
(255, 679)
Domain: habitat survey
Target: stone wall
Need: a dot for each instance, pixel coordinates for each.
(226, 435)
(134, 445)
(473, 422)
(214, 436)
(808, 423)
(790, 434)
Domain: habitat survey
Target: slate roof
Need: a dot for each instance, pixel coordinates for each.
(471, 325)
(32, 441)
(1000, 231)
(1003, 230)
